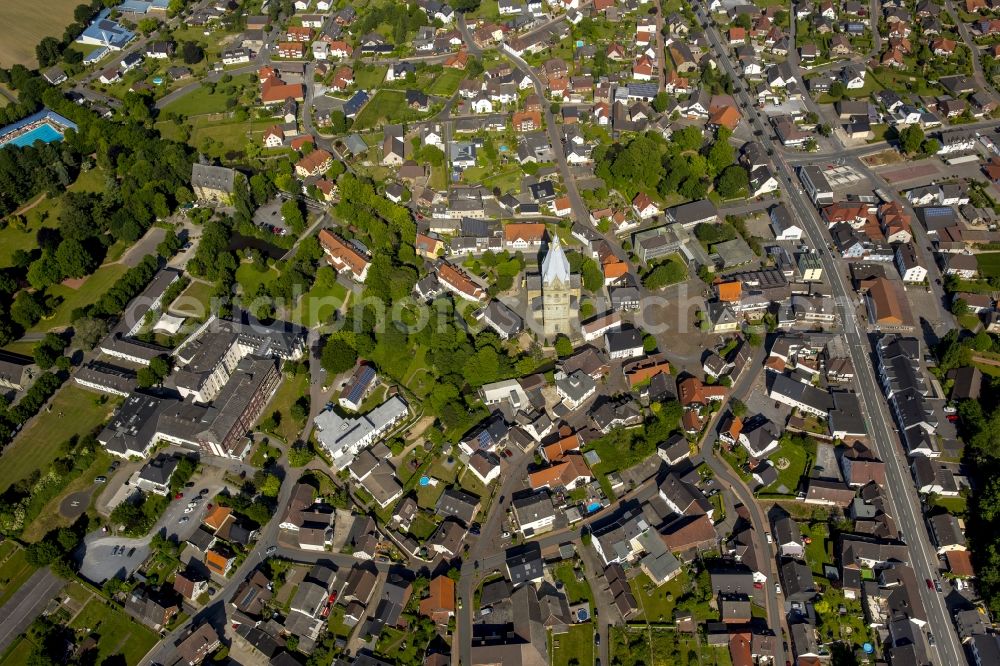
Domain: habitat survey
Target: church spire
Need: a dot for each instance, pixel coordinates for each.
(555, 266)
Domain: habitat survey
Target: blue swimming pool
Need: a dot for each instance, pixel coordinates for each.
(45, 133)
(593, 506)
(45, 126)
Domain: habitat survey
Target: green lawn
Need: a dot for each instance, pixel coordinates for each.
(799, 460)
(422, 526)
(50, 518)
(18, 653)
(818, 550)
(955, 505)
(390, 644)
(656, 604)
(989, 263)
(198, 101)
(290, 390)
(319, 303)
(195, 301)
(387, 106)
(251, 276)
(577, 591)
(632, 646)
(38, 445)
(447, 82)
(969, 321)
(574, 647)
(116, 632)
(368, 77)
(91, 289)
(14, 569)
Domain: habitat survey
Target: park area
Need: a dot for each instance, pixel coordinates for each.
(73, 411)
(117, 634)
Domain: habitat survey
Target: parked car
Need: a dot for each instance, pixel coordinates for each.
(183, 520)
(131, 552)
(937, 584)
(101, 479)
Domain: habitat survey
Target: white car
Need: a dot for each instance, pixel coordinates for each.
(188, 510)
(184, 519)
(192, 505)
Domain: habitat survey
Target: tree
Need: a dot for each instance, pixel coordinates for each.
(269, 486)
(649, 343)
(837, 90)
(338, 355)
(910, 139)
(733, 182)
(291, 215)
(74, 260)
(191, 53)
(959, 307)
(48, 350)
(661, 102)
(88, 331)
(300, 455)
(930, 147)
(48, 51)
(737, 407)
(564, 346)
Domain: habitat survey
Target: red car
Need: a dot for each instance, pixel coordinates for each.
(758, 586)
(930, 584)
(178, 495)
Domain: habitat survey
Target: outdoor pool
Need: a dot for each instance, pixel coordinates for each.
(582, 615)
(593, 506)
(425, 481)
(45, 133)
(45, 126)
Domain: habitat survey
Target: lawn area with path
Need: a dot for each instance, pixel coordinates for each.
(291, 389)
(319, 303)
(93, 288)
(656, 604)
(37, 446)
(195, 301)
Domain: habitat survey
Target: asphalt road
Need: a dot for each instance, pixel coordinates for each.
(25, 605)
(900, 488)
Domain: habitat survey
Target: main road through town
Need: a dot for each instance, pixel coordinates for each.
(900, 487)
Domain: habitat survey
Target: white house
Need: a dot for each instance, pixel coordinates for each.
(482, 105)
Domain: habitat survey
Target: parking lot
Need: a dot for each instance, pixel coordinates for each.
(110, 557)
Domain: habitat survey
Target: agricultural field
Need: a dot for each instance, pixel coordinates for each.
(24, 27)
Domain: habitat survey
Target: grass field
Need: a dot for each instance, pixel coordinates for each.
(989, 263)
(117, 633)
(251, 277)
(577, 591)
(197, 102)
(798, 458)
(387, 106)
(92, 288)
(447, 82)
(26, 25)
(290, 390)
(575, 646)
(18, 653)
(369, 76)
(37, 446)
(195, 300)
(657, 603)
(50, 518)
(318, 304)
(14, 569)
